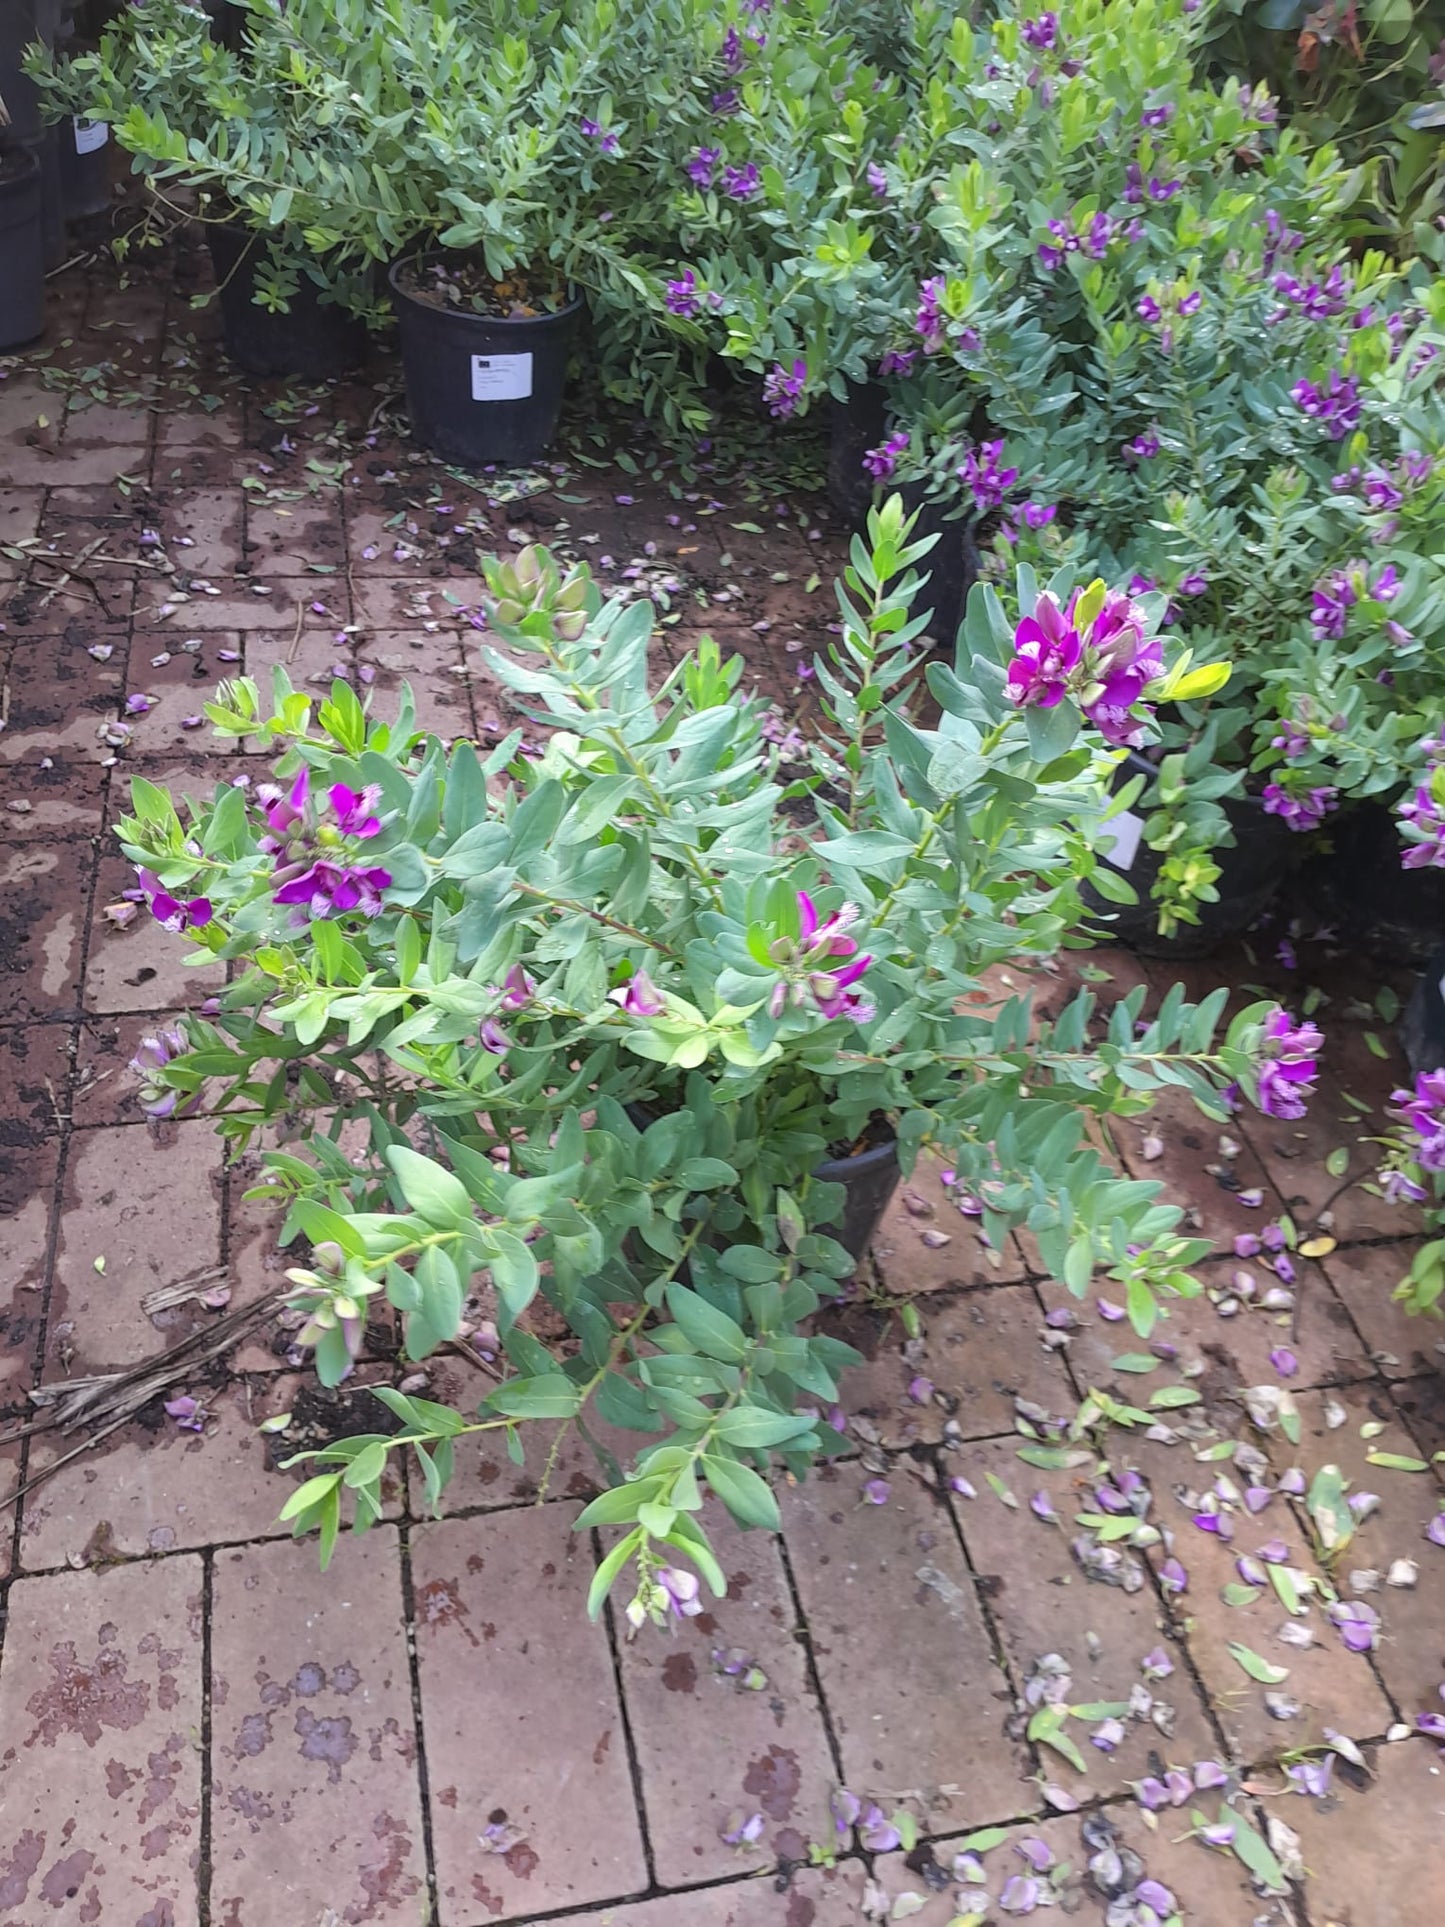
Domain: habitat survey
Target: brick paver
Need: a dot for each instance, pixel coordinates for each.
(561, 1771)
(532, 1806)
(314, 1800)
(100, 1772)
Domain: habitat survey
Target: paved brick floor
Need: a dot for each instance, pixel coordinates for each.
(197, 1727)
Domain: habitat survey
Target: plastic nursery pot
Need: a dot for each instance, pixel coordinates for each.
(482, 389)
(313, 339)
(84, 167)
(22, 248)
(1250, 875)
(1422, 1026)
(855, 426)
(1359, 887)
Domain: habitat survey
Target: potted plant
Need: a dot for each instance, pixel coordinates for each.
(22, 242)
(608, 1000)
(247, 130)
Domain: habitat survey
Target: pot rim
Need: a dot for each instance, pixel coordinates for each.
(27, 172)
(574, 306)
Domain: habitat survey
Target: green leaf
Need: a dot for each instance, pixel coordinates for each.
(1257, 1667)
(1253, 1852)
(550, 1396)
(706, 1329)
(1338, 1161)
(434, 1193)
(1396, 1462)
(1136, 1362)
(608, 1570)
(751, 1428)
(747, 1497)
(308, 1494)
(1172, 1398)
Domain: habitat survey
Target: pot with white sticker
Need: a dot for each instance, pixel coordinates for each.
(1251, 871)
(485, 359)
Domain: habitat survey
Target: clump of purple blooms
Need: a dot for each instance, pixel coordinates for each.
(170, 912)
(681, 297)
(1302, 808)
(315, 872)
(1423, 1111)
(1107, 667)
(984, 478)
(782, 390)
(1287, 1074)
(1336, 405)
(882, 462)
(1043, 32)
(822, 963)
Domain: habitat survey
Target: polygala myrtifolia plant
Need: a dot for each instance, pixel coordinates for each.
(601, 1005)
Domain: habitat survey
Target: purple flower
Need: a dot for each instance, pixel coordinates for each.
(1190, 303)
(1333, 597)
(833, 992)
(781, 389)
(1158, 116)
(1311, 1777)
(1038, 515)
(680, 1588)
(1195, 583)
(881, 462)
(988, 482)
(1157, 1897)
(725, 102)
(188, 1413)
(1424, 1112)
(137, 704)
(1163, 190)
(1021, 1895)
(639, 996)
(1379, 491)
(517, 989)
(731, 50)
(701, 167)
(1046, 649)
(898, 361)
(354, 810)
(742, 183)
(152, 1055)
(846, 1809)
(1043, 32)
(326, 888)
(876, 1491)
(681, 296)
(1425, 842)
(1282, 1358)
(877, 180)
(746, 1832)
(1300, 812)
(169, 911)
(1356, 1623)
(1286, 1077)
(606, 141)
(877, 1833)
(1336, 406)
(1147, 308)
(1386, 585)
(1172, 1577)
(930, 320)
(1143, 447)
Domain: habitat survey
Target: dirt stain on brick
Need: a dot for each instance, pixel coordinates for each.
(86, 1699)
(775, 1781)
(440, 1603)
(521, 1860)
(484, 1896)
(679, 1673)
(801, 1911)
(330, 1741)
(18, 1868)
(63, 1881)
(385, 1881)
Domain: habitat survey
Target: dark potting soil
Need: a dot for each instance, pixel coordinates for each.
(463, 286)
(320, 1416)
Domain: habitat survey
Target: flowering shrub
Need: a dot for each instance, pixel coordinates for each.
(599, 1006)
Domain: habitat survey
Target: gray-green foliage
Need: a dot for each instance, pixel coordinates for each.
(586, 1062)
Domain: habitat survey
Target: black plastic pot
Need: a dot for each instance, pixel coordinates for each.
(482, 390)
(22, 249)
(869, 1181)
(1360, 888)
(1422, 1027)
(313, 339)
(854, 427)
(1250, 874)
(84, 167)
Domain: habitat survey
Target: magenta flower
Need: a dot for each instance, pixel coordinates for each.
(898, 361)
(354, 809)
(1333, 597)
(517, 989)
(1301, 811)
(608, 142)
(169, 911)
(931, 321)
(1038, 515)
(681, 296)
(781, 390)
(1046, 649)
(1287, 1075)
(701, 167)
(327, 889)
(1143, 447)
(881, 462)
(1043, 32)
(1423, 1110)
(152, 1055)
(1425, 830)
(284, 812)
(981, 473)
(742, 183)
(493, 1038)
(1336, 406)
(639, 996)
(833, 991)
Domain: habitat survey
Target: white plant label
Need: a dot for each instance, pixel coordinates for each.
(1119, 843)
(501, 377)
(90, 134)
